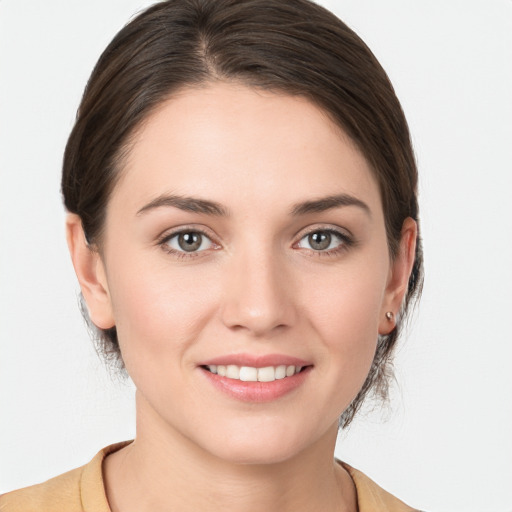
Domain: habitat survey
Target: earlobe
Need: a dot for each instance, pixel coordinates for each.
(90, 271)
(400, 272)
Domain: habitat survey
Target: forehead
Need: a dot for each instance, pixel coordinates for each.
(238, 143)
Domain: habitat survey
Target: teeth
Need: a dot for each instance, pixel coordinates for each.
(267, 374)
(232, 371)
(250, 374)
(281, 372)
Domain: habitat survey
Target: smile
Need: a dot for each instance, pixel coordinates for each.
(256, 378)
(252, 374)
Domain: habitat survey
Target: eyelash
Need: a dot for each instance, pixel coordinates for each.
(346, 241)
(164, 240)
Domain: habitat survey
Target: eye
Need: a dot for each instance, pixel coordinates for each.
(188, 241)
(322, 240)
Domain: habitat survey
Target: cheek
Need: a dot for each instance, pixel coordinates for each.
(346, 314)
(158, 311)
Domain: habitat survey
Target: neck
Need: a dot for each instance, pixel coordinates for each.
(163, 470)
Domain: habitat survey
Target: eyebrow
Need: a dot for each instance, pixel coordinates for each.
(327, 203)
(186, 203)
(204, 206)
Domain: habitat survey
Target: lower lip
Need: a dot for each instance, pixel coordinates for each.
(257, 391)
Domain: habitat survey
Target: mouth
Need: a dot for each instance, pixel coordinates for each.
(253, 374)
(256, 378)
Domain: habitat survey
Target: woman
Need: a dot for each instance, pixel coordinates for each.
(242, 204)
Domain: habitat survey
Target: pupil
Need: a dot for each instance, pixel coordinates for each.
(189, 241)
(320, 240)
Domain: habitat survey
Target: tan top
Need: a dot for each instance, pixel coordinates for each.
(82, 490)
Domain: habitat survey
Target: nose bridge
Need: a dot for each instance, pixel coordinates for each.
(256, 296)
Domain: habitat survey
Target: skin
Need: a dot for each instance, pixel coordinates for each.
(259, 287)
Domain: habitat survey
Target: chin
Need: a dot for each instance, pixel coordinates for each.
(256, 454)
(258, 446)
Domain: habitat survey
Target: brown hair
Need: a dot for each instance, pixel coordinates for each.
(292, 46)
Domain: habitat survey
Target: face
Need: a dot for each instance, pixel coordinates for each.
(245, 240)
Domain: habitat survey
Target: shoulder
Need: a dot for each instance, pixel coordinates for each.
(79, 490)
(371, 497)
(61, 493)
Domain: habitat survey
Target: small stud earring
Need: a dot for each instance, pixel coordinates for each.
(389, 315)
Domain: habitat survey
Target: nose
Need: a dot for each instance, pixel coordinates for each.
(258, 294)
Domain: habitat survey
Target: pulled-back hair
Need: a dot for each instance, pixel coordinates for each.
(288, 46)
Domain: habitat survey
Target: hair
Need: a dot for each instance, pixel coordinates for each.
(293, 47)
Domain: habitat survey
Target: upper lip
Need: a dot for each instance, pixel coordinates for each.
(256, 361)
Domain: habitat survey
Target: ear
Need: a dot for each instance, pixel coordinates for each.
(398, 280)
(90, 270)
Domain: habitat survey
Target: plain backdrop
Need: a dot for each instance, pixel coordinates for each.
(446, 443)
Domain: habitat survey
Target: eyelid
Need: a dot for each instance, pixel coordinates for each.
(169, 232)
(346, 239)
(330, 228)
(163, 239)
